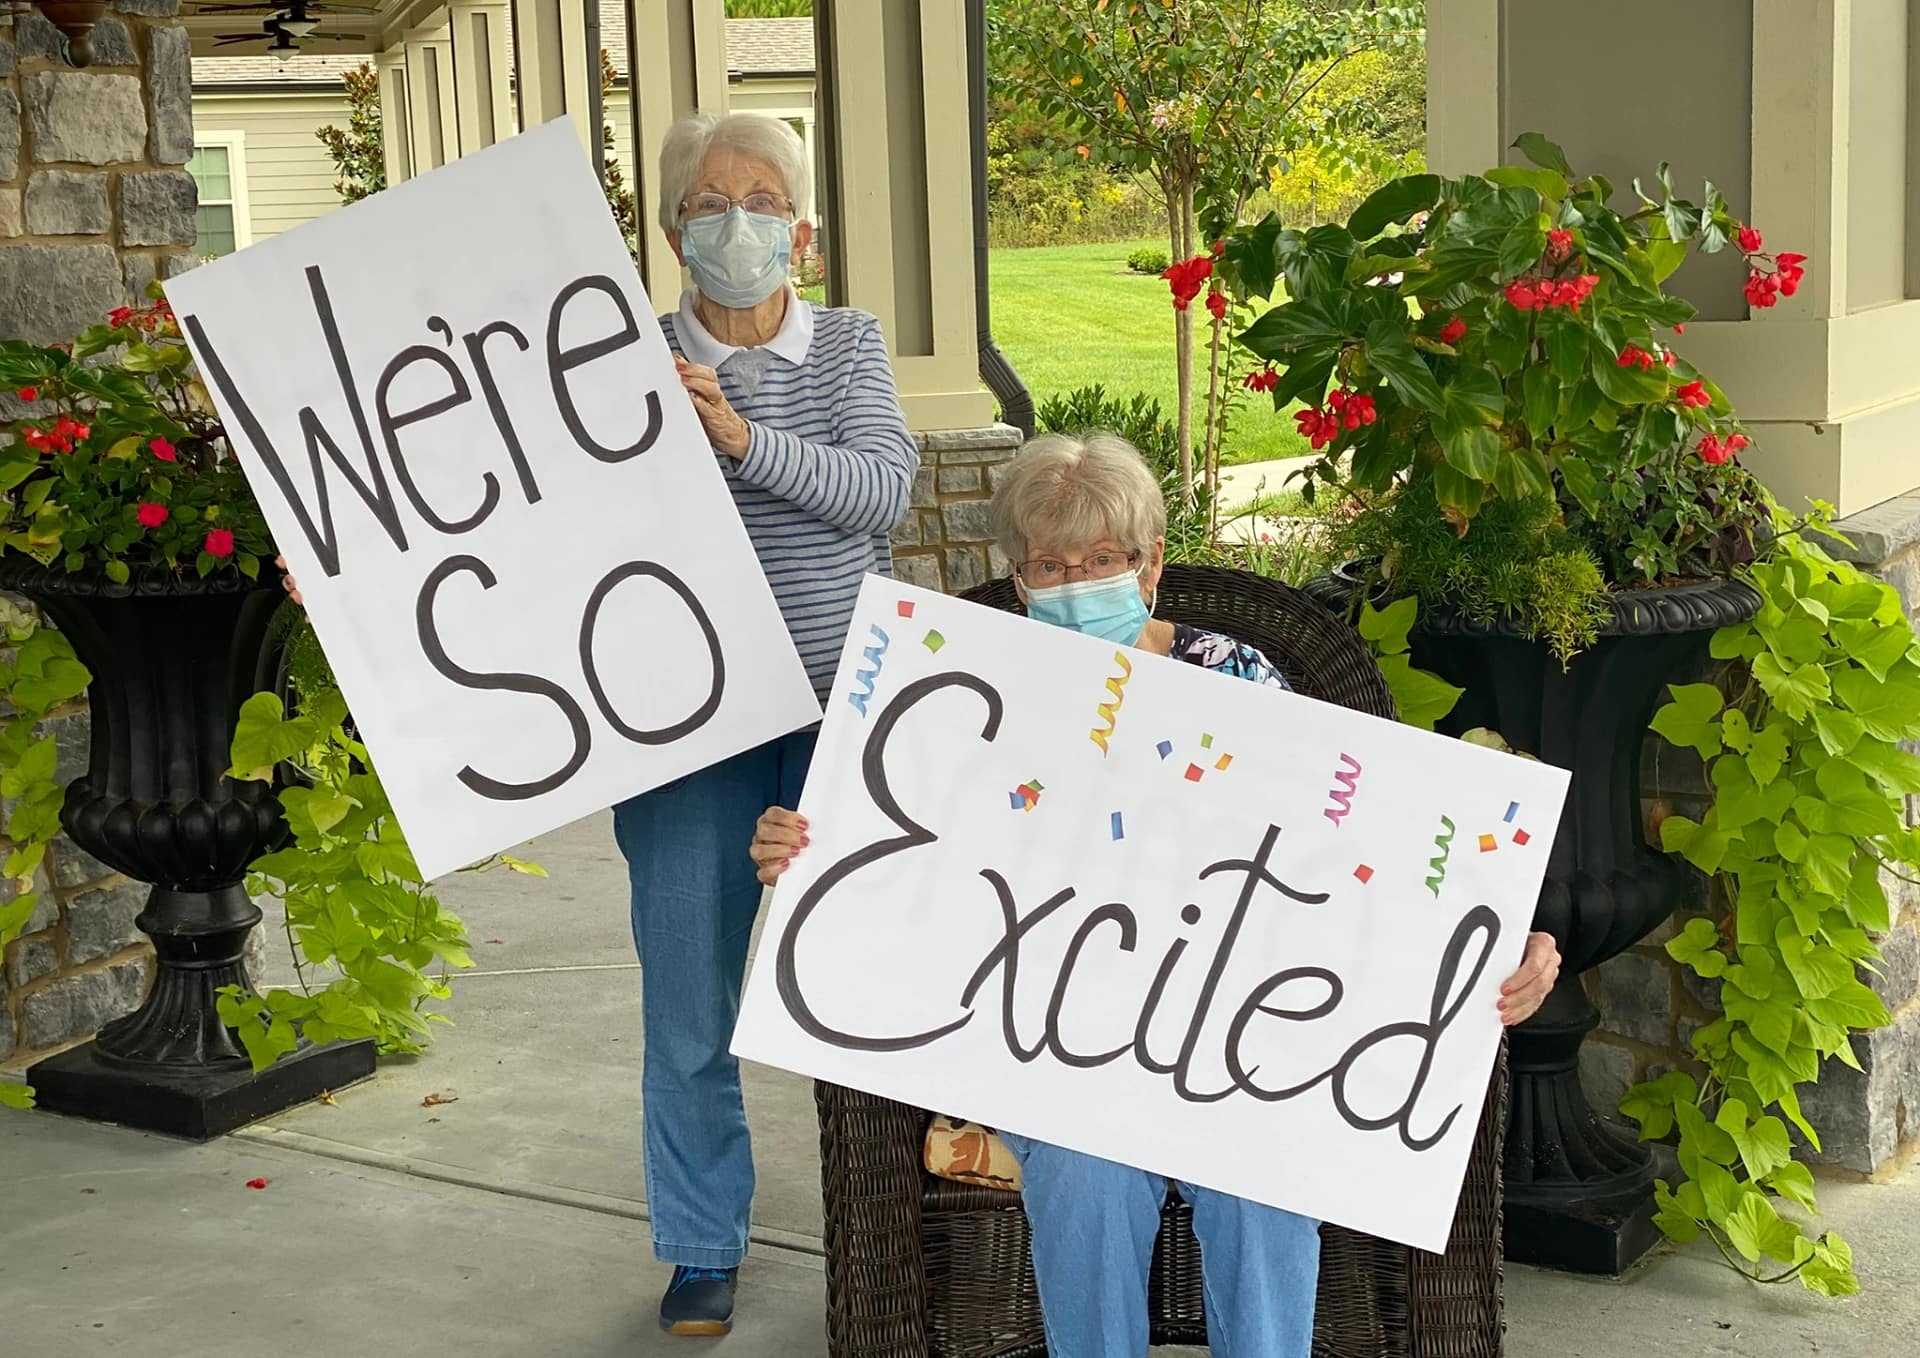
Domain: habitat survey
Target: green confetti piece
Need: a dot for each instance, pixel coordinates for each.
(933, 641)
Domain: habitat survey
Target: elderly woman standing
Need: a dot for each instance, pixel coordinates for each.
(799, 403)
(1084, 524)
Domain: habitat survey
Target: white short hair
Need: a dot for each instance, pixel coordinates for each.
(756, 135)
(1074, 490)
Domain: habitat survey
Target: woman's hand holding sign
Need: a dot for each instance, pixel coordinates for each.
(726, 431)
(777, 837)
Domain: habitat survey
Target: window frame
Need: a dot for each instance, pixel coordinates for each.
(234, 143)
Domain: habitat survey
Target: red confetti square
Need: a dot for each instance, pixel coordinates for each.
(906, 608)
(1364, 873)
(1193, 773)
(1521, 836)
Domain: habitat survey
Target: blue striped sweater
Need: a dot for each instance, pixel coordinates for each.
(828, 470)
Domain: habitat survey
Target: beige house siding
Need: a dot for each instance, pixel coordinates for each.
(288, 174)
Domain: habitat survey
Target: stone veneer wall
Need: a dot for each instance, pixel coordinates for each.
(946, 540)
(1650, 1005)
(94, 204)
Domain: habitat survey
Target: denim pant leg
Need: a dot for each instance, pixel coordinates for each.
(1261, 1267)
(694, 902)
(1094, 1224)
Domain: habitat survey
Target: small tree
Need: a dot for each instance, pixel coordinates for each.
(613, 180)
(1202, 97)
(359, 152)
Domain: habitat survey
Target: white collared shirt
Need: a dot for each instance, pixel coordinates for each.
(791, 341)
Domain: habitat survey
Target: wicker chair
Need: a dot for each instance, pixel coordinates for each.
(918, 1265)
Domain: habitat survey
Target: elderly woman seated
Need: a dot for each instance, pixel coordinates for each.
(1083, 521)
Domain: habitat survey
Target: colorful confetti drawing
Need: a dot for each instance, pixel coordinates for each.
(1222, 762)
(1165, 747)
(1117, 686)
(1027, 795)
(1513, 809)
(1346, 779)
(1521, 837)
(867, 676)
(1488, 843)
(906, 608)
(1364, 873)
(1206, 740)
(933, 641)
(1443, 842)
(1114, 825)
(1193, 773)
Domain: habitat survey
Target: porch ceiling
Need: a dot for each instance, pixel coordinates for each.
(380, 26)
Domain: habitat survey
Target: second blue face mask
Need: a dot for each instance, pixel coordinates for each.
(1109, 609)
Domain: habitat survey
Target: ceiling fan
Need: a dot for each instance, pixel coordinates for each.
(288, 31)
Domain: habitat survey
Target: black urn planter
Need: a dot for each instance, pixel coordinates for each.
(172, 660)
(1579, 1192)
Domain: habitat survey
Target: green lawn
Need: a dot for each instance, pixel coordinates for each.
(1072, 315)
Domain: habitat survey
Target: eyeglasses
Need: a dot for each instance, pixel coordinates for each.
(1045, 571)
(713, 204)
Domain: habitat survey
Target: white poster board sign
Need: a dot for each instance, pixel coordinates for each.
(1123, 904)
(465, 429)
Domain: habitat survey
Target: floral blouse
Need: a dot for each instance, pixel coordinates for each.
(1224, 655)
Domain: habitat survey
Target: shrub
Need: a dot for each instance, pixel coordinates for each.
(1148, 259)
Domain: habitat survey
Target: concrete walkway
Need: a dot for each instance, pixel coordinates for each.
(511, 1220)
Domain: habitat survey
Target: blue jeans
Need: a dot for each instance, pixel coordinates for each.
(694, 902)
(1094, 1224)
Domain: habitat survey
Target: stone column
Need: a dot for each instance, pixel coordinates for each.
(482, 72)
(94, 204)
(946, 541)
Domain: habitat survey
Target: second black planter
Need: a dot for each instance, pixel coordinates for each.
(1579, 1192)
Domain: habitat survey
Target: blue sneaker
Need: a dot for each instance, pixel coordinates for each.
(699, 1302)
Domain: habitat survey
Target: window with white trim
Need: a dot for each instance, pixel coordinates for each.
(218, 166)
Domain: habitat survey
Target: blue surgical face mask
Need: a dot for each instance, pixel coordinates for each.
(737, 258)
(1110, 609)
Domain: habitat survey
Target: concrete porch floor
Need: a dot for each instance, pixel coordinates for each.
(510, 1220)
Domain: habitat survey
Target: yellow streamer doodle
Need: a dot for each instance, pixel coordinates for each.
(1111, 711)
(1444, 843)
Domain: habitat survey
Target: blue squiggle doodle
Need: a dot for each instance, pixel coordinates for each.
(1347, 778)
(866, 677)
(1444, 843)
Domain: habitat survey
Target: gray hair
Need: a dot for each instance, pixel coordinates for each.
(685, 147)
(1075, 490)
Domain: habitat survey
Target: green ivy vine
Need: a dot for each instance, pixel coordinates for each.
(38, 672)
(371, 942)
(1801, 732)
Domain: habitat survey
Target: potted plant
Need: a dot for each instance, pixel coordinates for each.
(128, 522)
(1490, 378)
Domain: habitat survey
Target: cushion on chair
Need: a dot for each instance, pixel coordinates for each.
(968, 1153)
